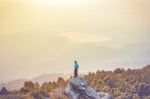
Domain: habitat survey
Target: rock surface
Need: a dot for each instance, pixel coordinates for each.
(78, 88)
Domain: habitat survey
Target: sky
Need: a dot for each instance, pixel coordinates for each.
(46, 36)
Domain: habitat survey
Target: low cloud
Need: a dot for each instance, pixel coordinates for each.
(85, 38)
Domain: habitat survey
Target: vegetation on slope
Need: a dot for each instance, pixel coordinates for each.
(122, 84)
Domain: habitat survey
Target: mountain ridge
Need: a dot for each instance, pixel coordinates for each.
(18, 83)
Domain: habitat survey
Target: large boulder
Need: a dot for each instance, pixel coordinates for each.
(78, 88)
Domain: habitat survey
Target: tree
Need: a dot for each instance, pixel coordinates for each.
(61, 82)
(119, 71)
(4, 91)
(29, 85)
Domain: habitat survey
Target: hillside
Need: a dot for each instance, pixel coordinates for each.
(120, 84)
(17, 84)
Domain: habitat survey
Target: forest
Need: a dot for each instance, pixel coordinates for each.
(120, 83)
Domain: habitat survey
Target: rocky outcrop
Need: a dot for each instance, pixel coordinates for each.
(78, 88)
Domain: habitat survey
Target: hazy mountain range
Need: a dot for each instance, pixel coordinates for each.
(18, 83)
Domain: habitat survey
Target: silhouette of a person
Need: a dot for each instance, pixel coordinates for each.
(76, 66)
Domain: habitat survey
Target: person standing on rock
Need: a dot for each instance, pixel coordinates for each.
(76, 66)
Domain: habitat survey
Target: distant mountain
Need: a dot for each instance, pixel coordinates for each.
(14, 85)
(49, 77)
(17, 84)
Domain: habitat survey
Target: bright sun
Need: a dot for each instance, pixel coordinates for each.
(58, 2)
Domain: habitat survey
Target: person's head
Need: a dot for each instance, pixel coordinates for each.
(75, 62)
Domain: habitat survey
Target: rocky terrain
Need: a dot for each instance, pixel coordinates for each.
(79, 89)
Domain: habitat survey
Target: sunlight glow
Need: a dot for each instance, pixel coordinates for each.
(58, 2)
